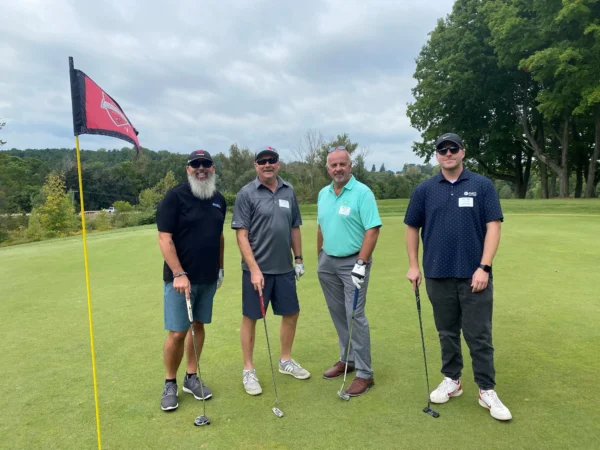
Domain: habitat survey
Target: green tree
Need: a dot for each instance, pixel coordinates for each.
(373, 169)
(382, 168)
(150, 197)
(56, 214)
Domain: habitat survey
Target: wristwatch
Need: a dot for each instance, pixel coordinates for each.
(360, 262)
(299, 257)
(485, 268)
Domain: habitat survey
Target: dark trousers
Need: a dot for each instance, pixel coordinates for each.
(456, 307)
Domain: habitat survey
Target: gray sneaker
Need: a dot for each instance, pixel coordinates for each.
(294, 369)
(251, 383)
(168, 401)
(191, 385)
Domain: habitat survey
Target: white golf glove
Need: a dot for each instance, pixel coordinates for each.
(221, 276)
(358, 275)
(299, 269)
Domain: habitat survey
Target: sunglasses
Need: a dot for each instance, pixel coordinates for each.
(339, 147)
(443, 151)
(262, 162)
(200, 162)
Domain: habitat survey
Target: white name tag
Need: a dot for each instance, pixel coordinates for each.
(345, 210)
(465, 202)
(284, 203)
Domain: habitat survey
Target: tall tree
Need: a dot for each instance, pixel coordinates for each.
(460, 88)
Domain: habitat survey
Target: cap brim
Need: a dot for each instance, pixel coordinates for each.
(449, 140)
(266, 153)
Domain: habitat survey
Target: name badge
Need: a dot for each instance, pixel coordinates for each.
(284, 203)
(465, 202)
(344, 210)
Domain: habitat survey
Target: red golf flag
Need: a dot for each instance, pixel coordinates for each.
(96, 112)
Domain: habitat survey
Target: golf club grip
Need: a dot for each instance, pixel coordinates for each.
(262, 305)
(418, 297)
(189, 307)
(355, 304)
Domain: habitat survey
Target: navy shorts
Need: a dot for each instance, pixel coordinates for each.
(280, 290)
(175, 308)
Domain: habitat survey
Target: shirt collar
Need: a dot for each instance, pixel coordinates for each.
(280, 183)
(464, 175)
(349, 185)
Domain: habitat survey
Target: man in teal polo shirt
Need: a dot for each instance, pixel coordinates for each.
(348, 229)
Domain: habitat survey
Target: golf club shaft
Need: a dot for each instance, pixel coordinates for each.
(355, 303)
(418, 297)
(262, 308)
(191, 317)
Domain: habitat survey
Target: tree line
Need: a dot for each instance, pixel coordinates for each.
(121, 175)
(518, 80)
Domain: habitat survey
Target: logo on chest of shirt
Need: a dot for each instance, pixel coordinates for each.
(470, 194)
(216, 205)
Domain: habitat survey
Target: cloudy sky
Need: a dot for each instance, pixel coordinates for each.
(206, 74)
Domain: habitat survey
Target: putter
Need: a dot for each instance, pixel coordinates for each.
(341, 392)
(427, 409)
(276, 410)
(200, 420)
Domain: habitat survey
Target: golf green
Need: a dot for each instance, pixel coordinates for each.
(546, 317)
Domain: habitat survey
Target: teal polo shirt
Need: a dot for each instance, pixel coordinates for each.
(345, 218)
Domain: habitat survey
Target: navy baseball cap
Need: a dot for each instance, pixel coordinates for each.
(266, 151)
(449, 137)
(199, 154)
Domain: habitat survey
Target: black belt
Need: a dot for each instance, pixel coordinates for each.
(347, 256)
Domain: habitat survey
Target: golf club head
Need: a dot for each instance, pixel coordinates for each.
(431, 412)
(201, 421)
(278, 412)
(343, 395)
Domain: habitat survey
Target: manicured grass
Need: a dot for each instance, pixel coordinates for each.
(396, 207)
(545, 334)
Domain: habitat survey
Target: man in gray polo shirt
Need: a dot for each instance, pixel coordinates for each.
(267, 221)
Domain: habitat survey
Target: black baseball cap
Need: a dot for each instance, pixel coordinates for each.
(200, 154)
(449, 137)
(266, 151)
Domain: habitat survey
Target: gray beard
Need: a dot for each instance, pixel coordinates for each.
(203, 189)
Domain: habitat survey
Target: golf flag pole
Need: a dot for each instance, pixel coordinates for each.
(94, 112)
(89, 293)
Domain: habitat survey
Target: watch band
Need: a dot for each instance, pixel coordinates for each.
(485, 268)
(298, 257)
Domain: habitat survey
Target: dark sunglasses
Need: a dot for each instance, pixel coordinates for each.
(200, 162)
(339, 147)
(443, 151)
(262, 162)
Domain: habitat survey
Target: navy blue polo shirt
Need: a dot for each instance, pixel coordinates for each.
(453, 218)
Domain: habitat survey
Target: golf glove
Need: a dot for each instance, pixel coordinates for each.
(299, 269)
(221, 276)
(358, 275)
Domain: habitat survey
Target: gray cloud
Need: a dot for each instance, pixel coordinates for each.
(208, 74)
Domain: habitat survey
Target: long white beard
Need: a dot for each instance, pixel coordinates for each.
(203, 189)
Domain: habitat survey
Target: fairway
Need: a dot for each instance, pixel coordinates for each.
(546, 336)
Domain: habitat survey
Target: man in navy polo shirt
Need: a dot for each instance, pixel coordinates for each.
(190, 222)
(459, 214)
(267, 221)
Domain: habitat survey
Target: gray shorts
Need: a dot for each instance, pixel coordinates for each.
(176, 316)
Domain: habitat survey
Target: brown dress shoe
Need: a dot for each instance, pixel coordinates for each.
(360, 386)
(337, 370)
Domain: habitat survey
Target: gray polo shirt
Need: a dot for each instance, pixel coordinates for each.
(269, 218)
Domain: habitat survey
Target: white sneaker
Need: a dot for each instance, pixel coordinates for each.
(251, 383)
(447, 388)
(291, 367)
(489, 399)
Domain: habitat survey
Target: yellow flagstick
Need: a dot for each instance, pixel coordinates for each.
(89, 295)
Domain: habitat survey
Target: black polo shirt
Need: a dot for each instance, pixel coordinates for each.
(453, 218)
(269, 218)
(196, 226)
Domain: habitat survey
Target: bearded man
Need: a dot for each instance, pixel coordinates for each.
(190, 234)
